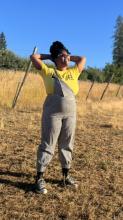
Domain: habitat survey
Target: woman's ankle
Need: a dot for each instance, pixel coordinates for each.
(65, 171)
(39, 175)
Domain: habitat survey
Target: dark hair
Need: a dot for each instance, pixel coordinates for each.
(56, 48)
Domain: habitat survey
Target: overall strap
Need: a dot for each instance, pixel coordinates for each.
(62, 87)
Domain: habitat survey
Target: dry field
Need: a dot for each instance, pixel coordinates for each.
(97, 159)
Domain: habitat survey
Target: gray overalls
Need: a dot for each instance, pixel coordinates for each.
(58, 125)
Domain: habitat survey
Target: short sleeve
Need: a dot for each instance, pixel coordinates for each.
(45, 70)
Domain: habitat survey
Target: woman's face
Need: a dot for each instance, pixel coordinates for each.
(63, 59)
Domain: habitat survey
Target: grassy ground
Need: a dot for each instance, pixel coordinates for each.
(97, 159)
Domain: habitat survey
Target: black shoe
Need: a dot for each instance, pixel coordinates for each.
(69, 181)
(40, 186)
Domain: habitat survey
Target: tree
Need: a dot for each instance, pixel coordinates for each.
(3, 44)
(118, 42)
(9, 60)
(108, 71)
(92, 74)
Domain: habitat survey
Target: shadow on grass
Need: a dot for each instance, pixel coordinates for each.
(106, 126)
(27, 187)
(15, 174)
(54, 181)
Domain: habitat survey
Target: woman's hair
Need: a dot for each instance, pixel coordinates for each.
(56, 49)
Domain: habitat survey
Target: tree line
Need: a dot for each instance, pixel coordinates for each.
(9, 60)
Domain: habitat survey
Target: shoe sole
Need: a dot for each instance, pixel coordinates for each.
(44, 191)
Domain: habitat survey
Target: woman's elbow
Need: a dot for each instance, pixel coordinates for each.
(83, 59)
(34, 57)
(35, 61)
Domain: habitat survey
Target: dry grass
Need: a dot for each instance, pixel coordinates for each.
(31, 96)
(97, 164)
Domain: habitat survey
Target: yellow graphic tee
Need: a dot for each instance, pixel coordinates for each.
(69, 76)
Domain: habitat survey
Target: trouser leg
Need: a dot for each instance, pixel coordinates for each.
(51, 126)
(66, 141)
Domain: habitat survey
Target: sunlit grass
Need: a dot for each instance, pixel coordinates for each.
(33, 93)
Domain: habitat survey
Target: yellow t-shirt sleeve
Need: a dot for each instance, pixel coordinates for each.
(75, 71)
(46, 71)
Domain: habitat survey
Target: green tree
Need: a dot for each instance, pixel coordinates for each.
(109, 69)
(3, 44)
(92, 74)
(9, 60)
(118, 42)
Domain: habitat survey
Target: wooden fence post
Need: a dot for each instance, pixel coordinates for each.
(92, 84)
(105, 89)
(118, 90)
(20, 85)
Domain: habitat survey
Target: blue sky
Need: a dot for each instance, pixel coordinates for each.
(85, 27)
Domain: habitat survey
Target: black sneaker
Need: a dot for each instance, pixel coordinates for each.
(69, 181)
(40, 186)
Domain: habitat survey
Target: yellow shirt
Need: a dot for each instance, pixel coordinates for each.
(69, 76)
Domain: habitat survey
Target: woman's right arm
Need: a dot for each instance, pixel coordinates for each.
(37, 59)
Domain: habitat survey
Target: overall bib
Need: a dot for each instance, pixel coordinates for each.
(58, 125)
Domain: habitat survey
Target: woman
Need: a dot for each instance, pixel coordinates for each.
(59, 110)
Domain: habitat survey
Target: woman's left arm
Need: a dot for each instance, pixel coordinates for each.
(80, 62)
